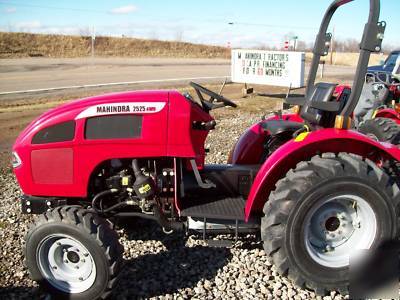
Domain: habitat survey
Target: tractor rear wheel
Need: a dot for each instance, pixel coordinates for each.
(73, 254)
(274, 143)
(321, 212)
(382, 129)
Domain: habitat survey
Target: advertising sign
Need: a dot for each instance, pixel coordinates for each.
(280, 68)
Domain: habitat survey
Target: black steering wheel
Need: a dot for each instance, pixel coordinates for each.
(214, 97)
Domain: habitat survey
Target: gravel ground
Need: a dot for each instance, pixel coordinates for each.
(160, 266)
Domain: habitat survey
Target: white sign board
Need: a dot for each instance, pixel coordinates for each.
(280, 68)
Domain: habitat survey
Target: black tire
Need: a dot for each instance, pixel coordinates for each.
(382, 129)
(274, 143)
(93, 232)
(283, 225)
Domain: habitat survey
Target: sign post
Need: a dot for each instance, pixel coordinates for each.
(280, 68)
(295, 38)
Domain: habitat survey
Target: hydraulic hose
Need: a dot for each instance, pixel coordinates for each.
(101, 195)
(136, 169)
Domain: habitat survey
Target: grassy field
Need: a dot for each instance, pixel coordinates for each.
(348, 59)
(15, 45)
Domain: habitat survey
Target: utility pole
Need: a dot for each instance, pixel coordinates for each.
(295, 38)
(332, 45)
(230, 36)
(93, 38)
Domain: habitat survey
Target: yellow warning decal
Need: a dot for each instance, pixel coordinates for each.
(125, 180)
(144, 189)
(301, 136)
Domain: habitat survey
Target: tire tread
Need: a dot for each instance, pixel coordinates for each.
(97, 228)
(385, 129)
(277, 209)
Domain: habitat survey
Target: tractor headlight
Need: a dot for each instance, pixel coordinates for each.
(15, 160)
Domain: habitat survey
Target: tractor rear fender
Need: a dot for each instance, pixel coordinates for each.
(304, 147)
(249, 148)
(389, 113)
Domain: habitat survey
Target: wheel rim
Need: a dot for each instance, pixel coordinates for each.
(337, 227)
(66, 264)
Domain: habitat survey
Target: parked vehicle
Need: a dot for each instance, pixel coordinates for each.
(389, 64)
(315, 198)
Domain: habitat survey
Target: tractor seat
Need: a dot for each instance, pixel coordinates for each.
(320, 107)
(278, 126)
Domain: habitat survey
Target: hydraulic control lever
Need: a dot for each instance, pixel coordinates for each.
(209, 125)
(201, 125)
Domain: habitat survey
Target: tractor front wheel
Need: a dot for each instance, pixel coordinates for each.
(382, 129)
(73, 254)
(324, 210)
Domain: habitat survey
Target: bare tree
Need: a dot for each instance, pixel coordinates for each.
(179, 35)
(302, 46)
(85, 31)
(153, 35)
(347, 45)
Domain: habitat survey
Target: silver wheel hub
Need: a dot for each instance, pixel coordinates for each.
(337, 227)
(66, 264)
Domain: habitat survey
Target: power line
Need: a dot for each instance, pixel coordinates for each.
(271, 26)
(54, 7)
(109, 12)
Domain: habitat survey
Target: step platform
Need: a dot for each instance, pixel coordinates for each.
(231, 208)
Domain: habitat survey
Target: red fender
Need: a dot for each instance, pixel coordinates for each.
(389, 113)
(324, 140)
(249, 148)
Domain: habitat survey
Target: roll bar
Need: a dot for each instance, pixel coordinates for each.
(371, 42)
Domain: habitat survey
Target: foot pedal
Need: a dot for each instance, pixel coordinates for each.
(219, 243)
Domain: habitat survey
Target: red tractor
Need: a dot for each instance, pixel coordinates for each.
(377, 112)
(316, 198)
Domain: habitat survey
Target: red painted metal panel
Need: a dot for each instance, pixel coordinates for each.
(389, 113)
(166, 131)
(52, 166)
(183, 139)
(250, 146)
(324, 140)
(88, 154)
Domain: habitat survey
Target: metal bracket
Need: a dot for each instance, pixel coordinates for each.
(373, 36)
(39, 205)
(203, 184)
(322, 45)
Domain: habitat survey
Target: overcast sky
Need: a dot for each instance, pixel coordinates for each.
(255, 23)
